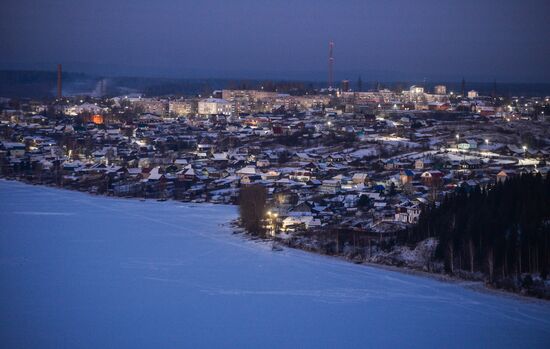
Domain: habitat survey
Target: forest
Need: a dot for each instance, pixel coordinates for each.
(502, 231)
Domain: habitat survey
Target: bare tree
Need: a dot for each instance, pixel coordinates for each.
(490, 263)
(252, 206)
(450, 253)
(471, 254)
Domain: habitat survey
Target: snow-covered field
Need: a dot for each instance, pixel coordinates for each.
(78, 271)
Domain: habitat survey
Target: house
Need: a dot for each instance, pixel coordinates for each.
(154, 175)
(249, 179)
(471, 164)
(16, 150)
(359, 178)
(430, 178)
(186, 174)
(285, 196)
(301, 209)
(246, 171)
(301, 175)
(330, 186)
(406, 177)
(220, 157)
(179, 163)
(271, 175)
(262, 163)
(302, 221)
(407, 212)
(421, 164)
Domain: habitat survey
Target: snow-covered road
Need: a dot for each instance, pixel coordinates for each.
(78, 271)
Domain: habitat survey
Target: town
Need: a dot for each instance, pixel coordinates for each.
(365, 161)
(274, 174)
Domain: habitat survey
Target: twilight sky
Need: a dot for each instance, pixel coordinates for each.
(379, 39)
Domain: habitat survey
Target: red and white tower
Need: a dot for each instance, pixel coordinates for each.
(330, 65)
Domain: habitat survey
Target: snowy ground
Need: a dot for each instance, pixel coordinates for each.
(78, 271)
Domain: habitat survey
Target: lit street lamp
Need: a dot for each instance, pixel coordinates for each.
(272, 221)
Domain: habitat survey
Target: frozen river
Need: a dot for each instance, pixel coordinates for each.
(78, 271)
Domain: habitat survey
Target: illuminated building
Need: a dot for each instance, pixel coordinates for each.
(97, 119)
(214, 106)
(440, 90)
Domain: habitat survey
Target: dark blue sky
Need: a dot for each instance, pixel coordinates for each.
(379, 39)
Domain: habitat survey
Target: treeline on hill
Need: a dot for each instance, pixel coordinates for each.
(36, 84)
(501, 231)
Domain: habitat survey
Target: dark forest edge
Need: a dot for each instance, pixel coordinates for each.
(499, 235)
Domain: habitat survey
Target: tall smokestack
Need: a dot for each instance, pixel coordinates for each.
(330, 65)
(59, 82)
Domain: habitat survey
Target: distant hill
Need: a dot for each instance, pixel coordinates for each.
(39, 84)
(42, 84)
